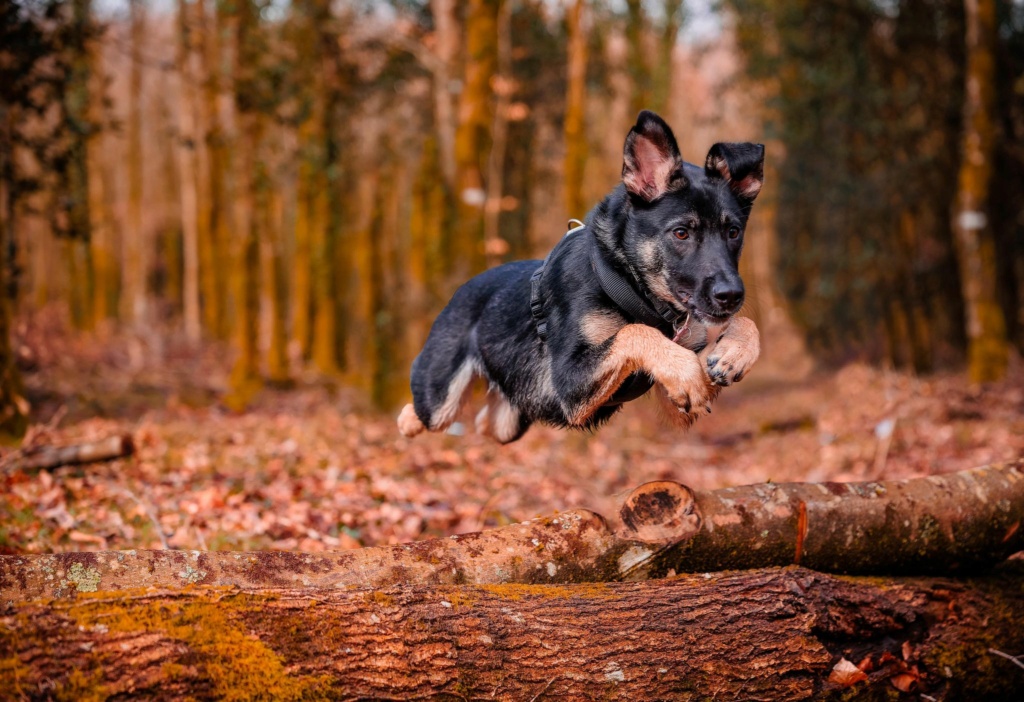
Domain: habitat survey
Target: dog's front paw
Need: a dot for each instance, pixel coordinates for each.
(732, 356)
(689, 390)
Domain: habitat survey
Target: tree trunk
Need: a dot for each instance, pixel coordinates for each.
(245, 380)
(575, 111)
(446, 50)
(328, 215)
(639, 67)
(188, 167)
(662, 78)
(134, 242)
(214, 280)
(504, 86)
(274, 275)
(773, 634)
(473, 136)
(201, 98)
(987, 349)
(79, 129)
(13, 405)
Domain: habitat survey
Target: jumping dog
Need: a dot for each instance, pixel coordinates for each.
(642, 294)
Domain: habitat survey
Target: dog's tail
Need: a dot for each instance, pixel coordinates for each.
(408, 423)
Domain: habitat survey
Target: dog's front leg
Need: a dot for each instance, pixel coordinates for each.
(637, 347)
(733, 353)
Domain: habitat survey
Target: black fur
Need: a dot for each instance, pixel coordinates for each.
(488, 323)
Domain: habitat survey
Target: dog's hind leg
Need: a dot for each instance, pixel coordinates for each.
(499, 419)
(439, 415)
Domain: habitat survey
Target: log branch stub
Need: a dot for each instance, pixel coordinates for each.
(660, 511)
(772, 634)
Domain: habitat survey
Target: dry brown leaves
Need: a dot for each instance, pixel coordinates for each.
(305, 470)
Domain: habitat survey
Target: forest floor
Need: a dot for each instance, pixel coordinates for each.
(311, 468)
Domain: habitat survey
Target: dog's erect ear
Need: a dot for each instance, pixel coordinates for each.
(651, 164)
(741, 166)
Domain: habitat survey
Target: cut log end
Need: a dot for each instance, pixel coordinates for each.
(660, 512)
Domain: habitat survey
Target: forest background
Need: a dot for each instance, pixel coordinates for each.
(275, 195)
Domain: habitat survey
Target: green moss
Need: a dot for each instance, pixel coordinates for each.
(15, 675)
(82, 578)
(380, 598)
(82, 687)
(510, 591)
(239, 666)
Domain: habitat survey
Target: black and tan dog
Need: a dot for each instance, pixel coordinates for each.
(643, 294)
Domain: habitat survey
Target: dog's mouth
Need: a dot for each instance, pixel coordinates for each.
(696, 313)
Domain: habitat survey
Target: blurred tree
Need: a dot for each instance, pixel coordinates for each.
(80, 58)
(247, 48)
(575, 110)
(504, 86)
(672, 22)
(215, 245)
(135, 248)
(638, 61)
(986, 329)
(33, 72)
(867, 111)
(473, 134)
(188, 168)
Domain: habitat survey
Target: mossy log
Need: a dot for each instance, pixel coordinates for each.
(769, 634)
(940, 524)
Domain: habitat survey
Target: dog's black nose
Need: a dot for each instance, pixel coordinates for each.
(727, 294)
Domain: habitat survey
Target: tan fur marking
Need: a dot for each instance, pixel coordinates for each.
(499, 419)
(458, 393)
(638, 347)
(596, 327)
(737, 349)
(647, 250)
(408, 423)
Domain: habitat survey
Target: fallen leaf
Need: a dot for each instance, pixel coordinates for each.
(904, 682)
(846, 674)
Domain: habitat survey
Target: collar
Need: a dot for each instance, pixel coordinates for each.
(641, 306)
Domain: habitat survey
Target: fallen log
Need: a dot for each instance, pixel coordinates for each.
(770, 634)
(48, 457)
(940, 524)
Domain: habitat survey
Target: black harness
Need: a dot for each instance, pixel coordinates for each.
(639, 307)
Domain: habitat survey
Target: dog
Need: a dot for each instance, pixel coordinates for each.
(644, 293)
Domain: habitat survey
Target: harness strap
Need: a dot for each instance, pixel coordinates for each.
(536, 299)
(644, 309)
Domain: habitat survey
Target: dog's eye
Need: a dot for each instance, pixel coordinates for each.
(734, 232)
(681, 233)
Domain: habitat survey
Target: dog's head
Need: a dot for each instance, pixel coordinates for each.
(684, 224)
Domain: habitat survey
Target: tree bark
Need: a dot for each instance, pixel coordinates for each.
(988, 349)
(941, 524)
(773, 634)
